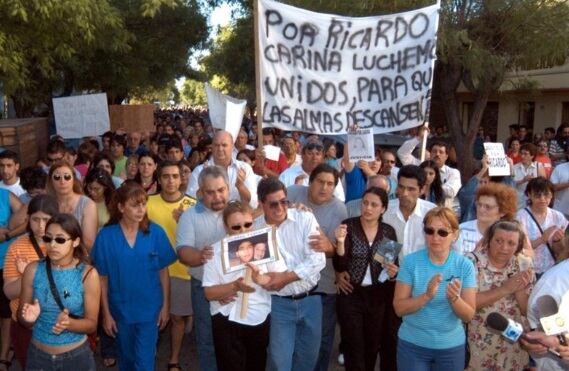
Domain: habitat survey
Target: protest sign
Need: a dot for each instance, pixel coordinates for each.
(132, 117)
(360, 145)
(322, 73)
(81, 116)
(225, 112)
(498, 161)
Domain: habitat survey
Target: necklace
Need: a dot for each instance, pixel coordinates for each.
(62, 266)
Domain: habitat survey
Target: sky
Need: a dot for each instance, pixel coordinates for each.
(220, 16)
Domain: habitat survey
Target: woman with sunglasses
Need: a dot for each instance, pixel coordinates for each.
(99, 186)
(23, 251)
(504, 283)
(146, 177)
(60, 298)
(66, 188)
(434, 294)
(365, 313)
(132, 256)
(240, 343)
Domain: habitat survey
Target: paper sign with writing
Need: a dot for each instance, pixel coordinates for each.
(81, 116)
(499, 165)
(360, 145)
(225, 112)
(323, 73)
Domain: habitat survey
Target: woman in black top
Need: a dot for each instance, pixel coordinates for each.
(365, 310)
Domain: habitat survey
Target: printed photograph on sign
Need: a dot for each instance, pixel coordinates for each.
(360, 145)
(257, 247)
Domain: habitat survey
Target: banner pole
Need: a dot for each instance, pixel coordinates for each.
(424, 140)
(258, 97)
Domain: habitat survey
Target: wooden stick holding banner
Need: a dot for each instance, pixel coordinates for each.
(245, 300)
(258, 77)
(424, 140)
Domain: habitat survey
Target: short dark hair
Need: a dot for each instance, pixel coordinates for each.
(167, 163)
(55, 146)
(324, 168)
(413, 172)
(539, 185)
(119, 139)
(381, 193)
(313, 145)
(269, 185)
(100, 157)
(174, 143)
(439, 143)
(530, 147)
(33, 177)
(249, 153)
(9, 155)
(550, 130)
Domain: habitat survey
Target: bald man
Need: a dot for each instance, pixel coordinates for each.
(242, 184)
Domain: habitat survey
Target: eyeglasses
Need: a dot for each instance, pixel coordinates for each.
(239, 227)
(431, 231)
(276, 204)
(58, 240)
(315, 146)
(486, 206)
(66, 177)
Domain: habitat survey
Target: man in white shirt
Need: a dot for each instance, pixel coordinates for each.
(9, 167)
(296, 314)
(450, 177)
(405, 214)
(242, 183)
(560, 180)
(312, 156)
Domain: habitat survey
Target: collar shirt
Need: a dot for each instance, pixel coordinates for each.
(232, 172)
(297, 255)
(289, 175)
(450, 178)
(409, 232)
(520, 172)
(199, 227)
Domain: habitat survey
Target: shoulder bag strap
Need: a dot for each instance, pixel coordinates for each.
(53, 288)
(541, 231)
(36, 247)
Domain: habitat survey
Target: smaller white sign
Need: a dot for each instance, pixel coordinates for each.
(360, 145)
(225, 112)
(81, 116)
(272, 152)
(499, 165)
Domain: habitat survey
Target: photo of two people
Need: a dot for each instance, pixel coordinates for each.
(255, 247)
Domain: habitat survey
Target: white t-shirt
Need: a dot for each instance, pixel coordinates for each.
(468, 237)
(561, 175)
(15, 188)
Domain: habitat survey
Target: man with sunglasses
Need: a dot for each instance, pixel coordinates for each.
(200, 227)
(405, 214)
(312, 156)
(9, 166)
(165, 209)
(329, 213)
(296, 314)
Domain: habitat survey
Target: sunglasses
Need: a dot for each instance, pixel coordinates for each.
(276, 204)
(66, 177)
(59, 240)
(239, 227)
(315, 146)
(431, 231)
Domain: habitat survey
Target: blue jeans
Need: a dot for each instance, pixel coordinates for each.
(136, 345)
(328, 331)
(78, 359)
(202, 326)
(416, 358)
(296, 328)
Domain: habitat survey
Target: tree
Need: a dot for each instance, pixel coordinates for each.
(117, 46)
(193, 93)
(478, 42)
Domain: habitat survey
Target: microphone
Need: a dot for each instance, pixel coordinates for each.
(509, 329)
(549, 317)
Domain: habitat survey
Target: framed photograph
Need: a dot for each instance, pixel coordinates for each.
(257, 247)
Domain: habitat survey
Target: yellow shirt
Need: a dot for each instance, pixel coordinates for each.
(160, 212)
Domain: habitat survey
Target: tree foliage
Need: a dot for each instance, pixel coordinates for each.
(116, 46)
(193, 93)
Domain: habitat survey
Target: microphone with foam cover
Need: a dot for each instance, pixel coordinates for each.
(509, 329)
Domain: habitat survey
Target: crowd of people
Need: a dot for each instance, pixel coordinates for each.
(107, 244)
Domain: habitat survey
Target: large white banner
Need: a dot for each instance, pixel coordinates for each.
(323, 73)
(225, 112)
(81, 116)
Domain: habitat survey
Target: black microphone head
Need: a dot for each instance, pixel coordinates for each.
(496, 321)
(546, 306)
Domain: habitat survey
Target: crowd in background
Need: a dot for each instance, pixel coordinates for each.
(108, 243)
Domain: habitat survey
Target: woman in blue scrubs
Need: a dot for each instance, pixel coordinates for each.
(132, 256)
